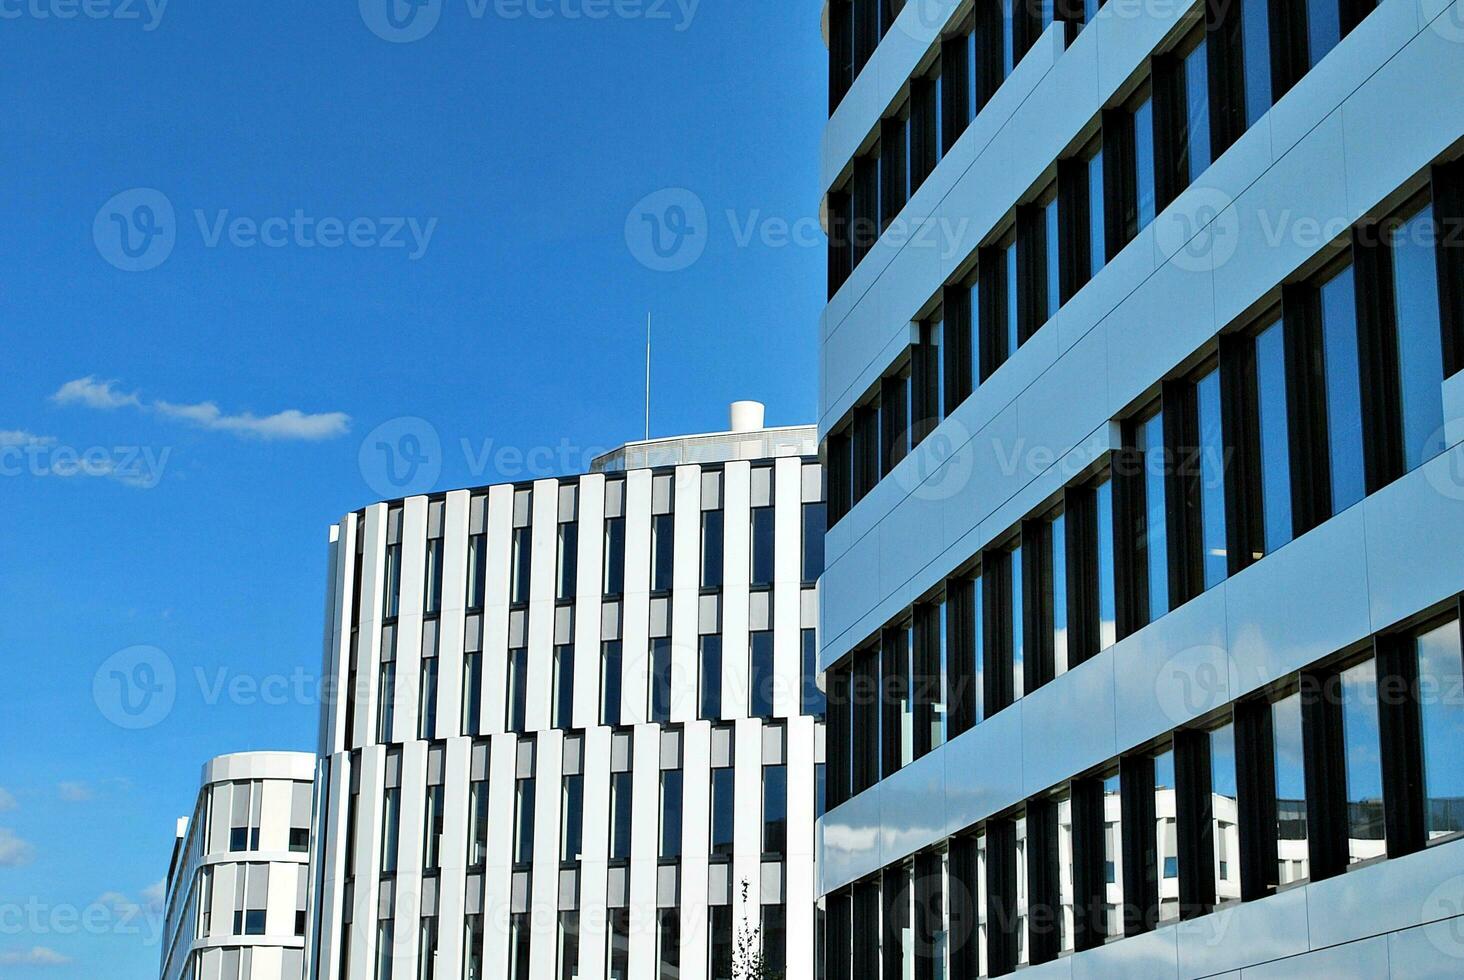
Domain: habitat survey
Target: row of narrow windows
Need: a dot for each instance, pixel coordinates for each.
(519, 848)
(1201, 94)
(1350, 762)
(1290, 419)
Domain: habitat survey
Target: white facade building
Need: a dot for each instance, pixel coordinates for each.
(237, 886)
(580, 713)
(1143, 416)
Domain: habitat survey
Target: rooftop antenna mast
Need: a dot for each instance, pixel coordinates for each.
(648, 377)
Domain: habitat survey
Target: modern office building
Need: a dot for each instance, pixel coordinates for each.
(1142, 420)
(237, 885)
(581, 735)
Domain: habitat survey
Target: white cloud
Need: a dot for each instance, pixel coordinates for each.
(35, 956)
(75, 792)
(288, 424)
(7, 801)
(14, 851)
(19, 437)
(92, 393)
(153, 896)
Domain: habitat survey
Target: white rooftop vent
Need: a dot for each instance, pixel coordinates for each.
(748, 416)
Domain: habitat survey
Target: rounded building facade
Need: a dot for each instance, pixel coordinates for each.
(237, 886)
(579, 734)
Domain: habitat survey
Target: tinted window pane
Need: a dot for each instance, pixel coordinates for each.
(1097, 240)
(671, 804)
(1151, 442)
(711, 677)
(1018, 639)
(615, 556)
(814, 701)
(1059, 593)
(1364, 765)
(568, 560)
(723, 811)
(1225, 814)
(761, 675)
(620, 816)
(1167, 852)
(610, 674)
(523, 851)
(1212, 479)
(762, 546)
(1255, 23)
(1291, 831)
(815, 516)
(663, 551)
(1107, 590)
(1441, 687)
(775, 810)
(571, 843)
(1420, 338)
(1053, 240)
(1344, 398)
(712, 540)
(660, 680)
(1323, 27)
(1113, 853)
(1275, 435)
(1197, 94)
(1009, 257)
(1144, 160)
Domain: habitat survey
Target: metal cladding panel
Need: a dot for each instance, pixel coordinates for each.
(332, 708)
(686, 584)
(495, 610)
(787, 586)
(409, 623)
(588, 603)
(368, 652)
(451, 902)
(635, 631)
(696, 845)
(747, 825)
(737, 573)
(497, 882)
(597, 841)
(544, 896)
(801, 886)
(644, 849)
(541, 604)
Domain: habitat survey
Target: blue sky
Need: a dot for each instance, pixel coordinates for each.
(327, 230)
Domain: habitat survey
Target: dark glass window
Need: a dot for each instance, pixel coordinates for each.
(1017, 625)
(1097, 238)
(1361, 744)
(610, 681)
(663, 551)
(563, 686)
(523, 816)
(477, 570)
(1292, 856)
(1440, 681)
(1338, 304)
(432, 589)
(1167, 838)
(668, 943)
(518, 690)
(761, 675)
(617, 938)
(814, 701)
(1275, 435)
(1144, 168)
(775, 939)
(1323, 28)
(1225, 814)
(762, 547)
(427, 704)
(614, 556)
(660, 679)
(1107, 587)
(522, 559)
(1420, 336)
(724, 813)
(520, 934)
(1212, 465)
(621, 803)
(710, 680)
(720, 929)
(1052, 246)
(1155, 544)
(671, 806)
(1197, 111)
(568, 560)
(1255, 21)
(572, 820)
(472, 692)
(712, 524)
(775, 810)
(815, 517)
